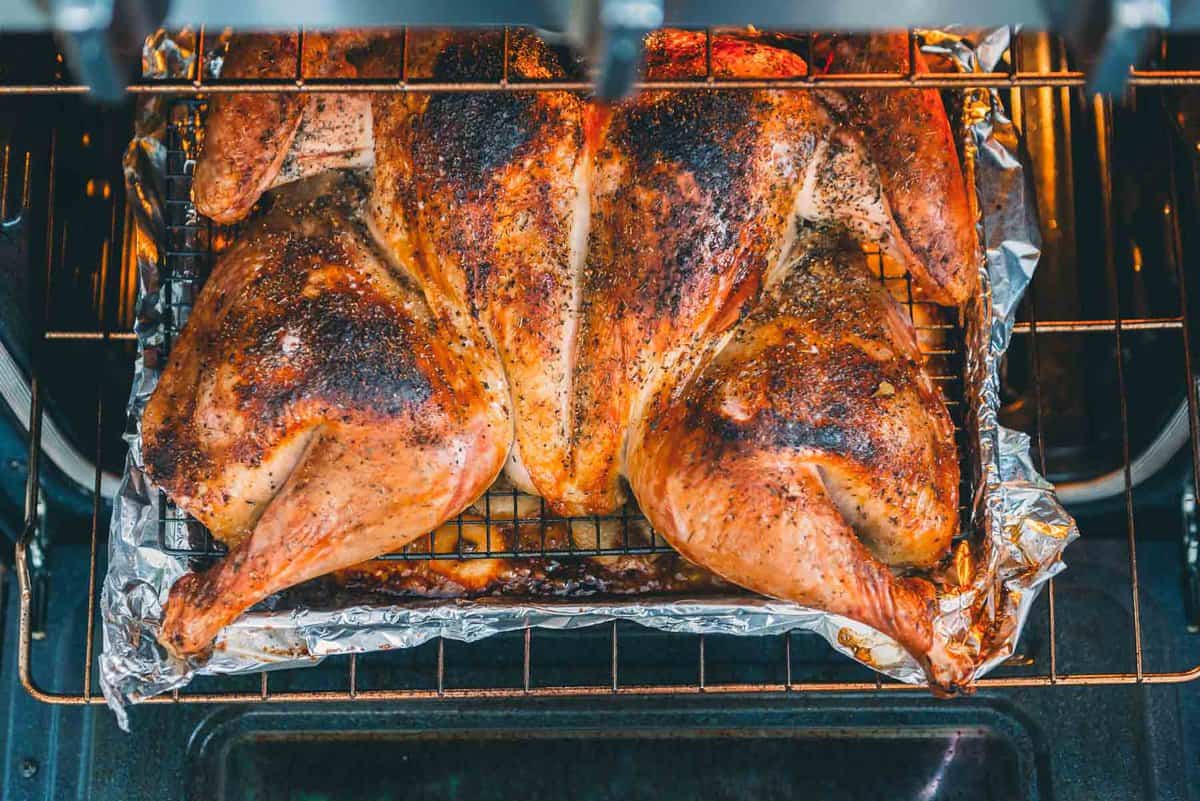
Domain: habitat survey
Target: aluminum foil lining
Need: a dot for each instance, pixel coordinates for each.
(1019, 533)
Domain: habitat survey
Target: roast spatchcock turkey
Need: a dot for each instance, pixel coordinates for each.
(667, 296)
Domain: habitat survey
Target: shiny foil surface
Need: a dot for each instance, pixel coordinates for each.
(985, 592)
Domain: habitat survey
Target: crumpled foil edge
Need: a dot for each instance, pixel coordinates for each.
(1021, 530)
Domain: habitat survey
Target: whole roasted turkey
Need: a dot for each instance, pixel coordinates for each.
(667, 296)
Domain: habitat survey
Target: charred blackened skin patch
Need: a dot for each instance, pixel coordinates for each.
(171, 453)
(675, 131)
(374, 50)
(700, 131)
(772, 430)
(367, 357)
(571, 65)
(468, 136)
(471, 57)
(354, 348)
(478, 56)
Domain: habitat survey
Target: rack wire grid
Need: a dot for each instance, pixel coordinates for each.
(189, 255)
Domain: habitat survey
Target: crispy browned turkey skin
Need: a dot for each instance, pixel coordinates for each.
(601, 248)
(253, 134)
(661, 291)
(315, 413)
(909, 138)
(811, 454)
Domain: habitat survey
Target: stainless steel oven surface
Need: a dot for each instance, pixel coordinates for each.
(1098, 701)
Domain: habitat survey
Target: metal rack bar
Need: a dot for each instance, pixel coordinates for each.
(404, 57)
(32, 484)
(441, 667)
(198, 80)
(1138, 79)
(504, 61)
(333, 696)
(97, 503)
(527, 649)
(1040, 439)
(613, 666)
(1101, 326)
(1193, 393)
(300, 58)
(1022, 328)
(1102, 112)
(4, 184)
(124, 336)
(808, 83)
(787, 661)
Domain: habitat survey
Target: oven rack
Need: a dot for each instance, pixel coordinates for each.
(1045, 77)
(200, 81)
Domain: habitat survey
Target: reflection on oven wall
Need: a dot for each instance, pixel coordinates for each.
(1114, 194)
(82, 255)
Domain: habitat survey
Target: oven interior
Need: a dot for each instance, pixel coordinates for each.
(1099, 374)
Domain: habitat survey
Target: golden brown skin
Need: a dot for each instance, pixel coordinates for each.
(675, 54)
(481, 194)
(685, 226)
(909, 138)
(596, 245)
(314, 413)
(811, 455)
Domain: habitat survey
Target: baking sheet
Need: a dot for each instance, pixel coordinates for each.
(1015, 542)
